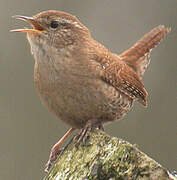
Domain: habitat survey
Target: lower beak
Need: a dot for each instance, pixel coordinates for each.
(36, 27)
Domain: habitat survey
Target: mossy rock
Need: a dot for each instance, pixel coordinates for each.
(105, 158)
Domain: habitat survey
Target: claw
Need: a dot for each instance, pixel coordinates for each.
(84, 133)
(56, 150)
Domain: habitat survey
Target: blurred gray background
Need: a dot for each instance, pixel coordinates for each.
(28, 130)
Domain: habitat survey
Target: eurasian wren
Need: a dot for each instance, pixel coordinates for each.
(81, 81)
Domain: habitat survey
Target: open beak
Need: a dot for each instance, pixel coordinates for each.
(36, 27)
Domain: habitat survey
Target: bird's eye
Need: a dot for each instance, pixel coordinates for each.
(54, 24)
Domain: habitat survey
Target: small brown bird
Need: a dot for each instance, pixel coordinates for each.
(78, 79)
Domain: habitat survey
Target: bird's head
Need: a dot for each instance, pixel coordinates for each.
(54, 28)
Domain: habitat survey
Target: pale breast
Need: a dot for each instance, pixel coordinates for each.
(76, 98)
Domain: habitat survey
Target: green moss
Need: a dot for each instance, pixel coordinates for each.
(104, 158)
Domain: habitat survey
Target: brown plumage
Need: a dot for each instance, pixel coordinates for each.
(138, 55)
(81, 81)
(126, 77)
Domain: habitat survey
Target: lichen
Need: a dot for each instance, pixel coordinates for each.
(103, 158)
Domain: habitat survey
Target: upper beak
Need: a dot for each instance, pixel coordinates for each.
(37, 28)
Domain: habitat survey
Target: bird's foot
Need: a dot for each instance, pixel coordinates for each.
(52, 158)
(83, 135)
(57, 150)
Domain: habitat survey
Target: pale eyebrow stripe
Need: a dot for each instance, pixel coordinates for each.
(75, 23)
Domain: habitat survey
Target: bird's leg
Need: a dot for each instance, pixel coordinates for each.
(101, 127)
(56, 150)
(83, 134)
